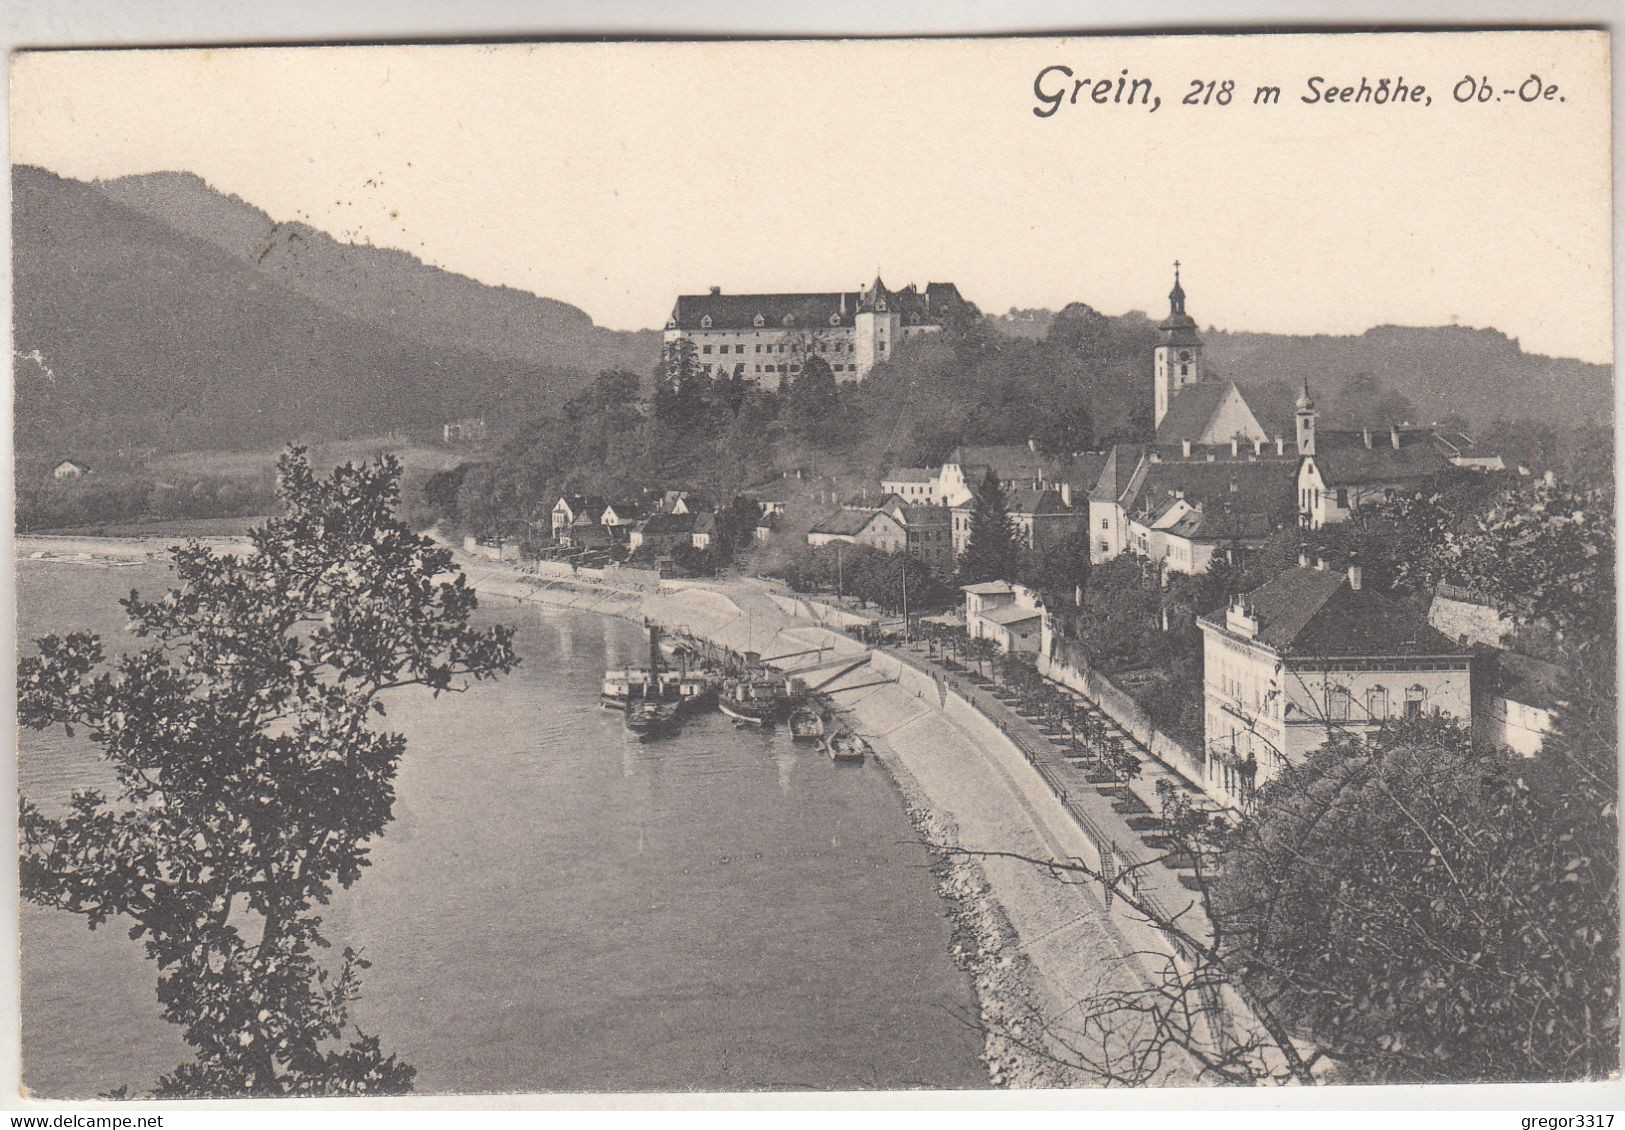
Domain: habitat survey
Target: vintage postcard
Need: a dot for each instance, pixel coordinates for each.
(815, 565)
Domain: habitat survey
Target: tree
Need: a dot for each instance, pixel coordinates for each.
(1407, 902)
(250, 777)
(811, 399)
(991, 553)
(736, 527)
(681, 386)
(979, 650)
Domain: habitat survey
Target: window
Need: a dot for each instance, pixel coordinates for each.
(1104, 548)
(740, 348)
(1415, 698)
(1376, 703)
(705, 322)
(705, 349)
(1105, 523)
(1337, 704)
(759, 321)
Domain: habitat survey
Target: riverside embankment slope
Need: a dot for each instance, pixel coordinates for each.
(1037, 948)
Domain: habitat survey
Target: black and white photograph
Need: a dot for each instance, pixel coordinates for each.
(655, 566)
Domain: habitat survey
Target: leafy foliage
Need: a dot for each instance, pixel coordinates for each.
(250, 776)
(1424, 912)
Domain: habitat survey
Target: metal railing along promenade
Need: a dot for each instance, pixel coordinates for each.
(1117, 863)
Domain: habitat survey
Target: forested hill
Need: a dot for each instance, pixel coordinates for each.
(152, 311)
(1422, 373)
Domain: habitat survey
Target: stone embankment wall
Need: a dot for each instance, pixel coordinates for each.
(1068, 667)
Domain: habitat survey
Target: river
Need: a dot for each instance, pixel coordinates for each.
(557, 906)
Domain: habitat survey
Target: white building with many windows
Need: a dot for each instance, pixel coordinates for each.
(766, 338)
(1309, 655)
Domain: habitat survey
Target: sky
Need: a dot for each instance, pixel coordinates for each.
(615, 176)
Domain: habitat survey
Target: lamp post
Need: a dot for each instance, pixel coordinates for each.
(905, 602)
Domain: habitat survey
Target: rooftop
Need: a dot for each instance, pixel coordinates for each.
(809, 311)
(909, 475)
(846, 523)
(1011, 614)
(1311, 612)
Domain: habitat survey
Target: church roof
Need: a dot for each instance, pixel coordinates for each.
(1192, 410)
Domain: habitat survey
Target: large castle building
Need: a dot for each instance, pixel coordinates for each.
(766, 338)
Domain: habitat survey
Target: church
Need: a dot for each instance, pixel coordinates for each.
(1212, 483)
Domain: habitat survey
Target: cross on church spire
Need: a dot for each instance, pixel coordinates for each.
(1176, 297)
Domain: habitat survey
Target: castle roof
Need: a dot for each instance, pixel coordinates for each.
(812, 310)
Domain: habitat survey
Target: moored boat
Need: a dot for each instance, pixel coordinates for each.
(806, 724)
(623, 685)
(651, 719)
(756, 701)
(844, 747)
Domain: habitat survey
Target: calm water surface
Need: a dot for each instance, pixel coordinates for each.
(558, 907)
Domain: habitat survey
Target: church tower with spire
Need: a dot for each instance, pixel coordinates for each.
(1178, 356)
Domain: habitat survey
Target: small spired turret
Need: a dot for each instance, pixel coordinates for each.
(1178, 356)
(1305, 416)
(877, 325)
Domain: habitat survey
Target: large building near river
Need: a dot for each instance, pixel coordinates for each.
(765, 338)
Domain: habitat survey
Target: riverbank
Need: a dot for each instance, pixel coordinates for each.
(1037, 949)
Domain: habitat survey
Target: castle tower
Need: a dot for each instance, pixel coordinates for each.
(877, 325)
(1306, 421)
(1178, 356)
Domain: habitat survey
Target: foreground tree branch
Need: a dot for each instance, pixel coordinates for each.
(250, 779)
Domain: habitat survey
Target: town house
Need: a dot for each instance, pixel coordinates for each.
(1308, 655)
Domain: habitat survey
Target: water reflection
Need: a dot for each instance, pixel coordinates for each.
(547, 911)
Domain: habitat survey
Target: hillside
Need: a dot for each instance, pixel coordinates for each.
(1426, 372)
(155, 312)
